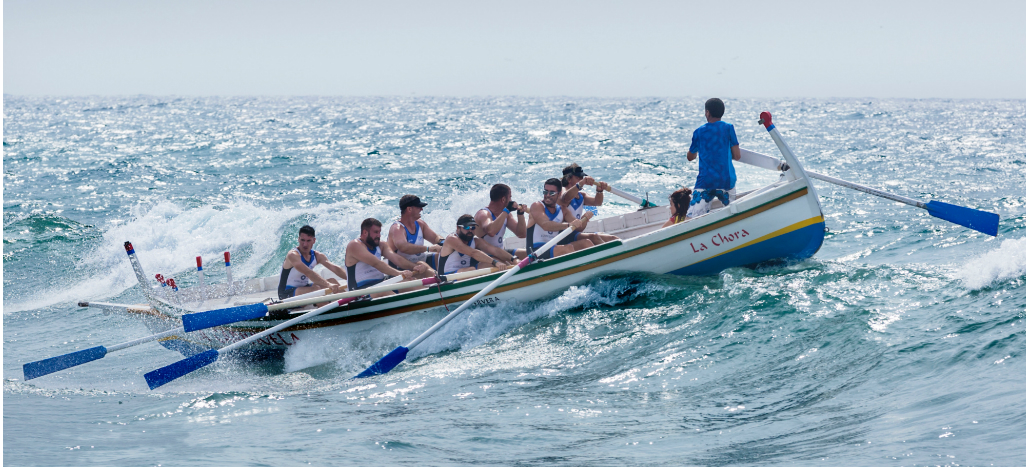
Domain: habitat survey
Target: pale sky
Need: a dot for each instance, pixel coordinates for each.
(928, 49)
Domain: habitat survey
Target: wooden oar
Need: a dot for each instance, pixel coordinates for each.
(982, 221)
(162, 376)
(397, 356)
(629, 197)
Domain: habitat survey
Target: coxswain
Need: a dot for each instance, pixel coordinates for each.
(297, 274)
(574, 198)
(715, 145)
(363, 260)
(461, 251)
(548, 220)
(494, 219)
(406, 237)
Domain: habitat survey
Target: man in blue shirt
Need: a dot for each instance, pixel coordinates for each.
(715, 144)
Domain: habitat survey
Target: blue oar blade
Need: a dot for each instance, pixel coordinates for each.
(62, 362)
(212, 318)
(386, 363)
(162, 376)
(983, 221)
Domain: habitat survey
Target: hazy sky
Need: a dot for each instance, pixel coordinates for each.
(894, 48)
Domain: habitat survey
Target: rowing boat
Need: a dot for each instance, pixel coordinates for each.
(780, 221)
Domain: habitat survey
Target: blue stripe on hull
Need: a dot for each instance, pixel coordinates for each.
(799, 244)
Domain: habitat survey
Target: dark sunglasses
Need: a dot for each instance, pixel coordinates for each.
(468, 227)
(550, 193)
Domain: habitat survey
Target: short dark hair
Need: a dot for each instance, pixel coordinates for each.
(715, 107)
(499, 190)
(368, 223)
(306, 229)
(554, 182)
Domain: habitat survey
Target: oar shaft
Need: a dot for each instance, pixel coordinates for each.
(629, 197)
(489, 288)
(866, 189)
(144, 340)
(303, 317)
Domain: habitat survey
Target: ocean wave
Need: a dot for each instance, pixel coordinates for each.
(1006, 262)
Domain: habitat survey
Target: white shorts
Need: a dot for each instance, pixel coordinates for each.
(702, 206)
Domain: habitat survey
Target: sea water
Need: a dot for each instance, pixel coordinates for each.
(901, 342)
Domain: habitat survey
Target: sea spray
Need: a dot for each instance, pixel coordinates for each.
(1006, 262)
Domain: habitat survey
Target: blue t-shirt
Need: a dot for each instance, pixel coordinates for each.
(712, 143)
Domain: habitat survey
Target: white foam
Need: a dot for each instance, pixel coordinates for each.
(1006, 262)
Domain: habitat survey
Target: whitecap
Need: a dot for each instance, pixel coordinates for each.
(1006, 262)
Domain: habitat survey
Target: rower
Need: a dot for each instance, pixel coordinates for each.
(363, 259)
(461, 251)
(494, 219)
(576, 199)
(406, 237)
(297, 275)
(548, 220)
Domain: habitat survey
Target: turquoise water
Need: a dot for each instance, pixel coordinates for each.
(901, 342)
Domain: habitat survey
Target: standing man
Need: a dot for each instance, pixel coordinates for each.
(494, 219)
(715, 145)
(406, 236)
(575, 199)
(297, 275)
(548, 220)
(363, 259)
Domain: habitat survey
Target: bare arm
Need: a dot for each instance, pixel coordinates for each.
(397, 235)
(359, 253)
(465, 249)
(735, 152)
(323, 259)
(692, 156)
(542, 220)
(430, 236)
(517, 224)
(297, 263)
(494, 251)
(484, 220)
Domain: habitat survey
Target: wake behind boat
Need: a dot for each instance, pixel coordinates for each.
(780, 221)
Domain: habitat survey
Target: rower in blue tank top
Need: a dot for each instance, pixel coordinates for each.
(716, 147)
(575, 199)
(297, 274)
(407, 235)
(364, 263)
(548, 220)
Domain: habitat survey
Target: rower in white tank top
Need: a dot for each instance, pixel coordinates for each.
(363, 275)
(415, 238)
(497, 239)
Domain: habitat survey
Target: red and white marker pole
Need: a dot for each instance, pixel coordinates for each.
(228, 271)
(200, 279)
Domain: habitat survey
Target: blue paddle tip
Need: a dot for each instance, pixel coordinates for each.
(982, 221)
(162, 376)
(386, 363)
(208, 319)
(44, 367)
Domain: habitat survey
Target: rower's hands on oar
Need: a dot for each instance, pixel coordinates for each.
(407, 275)
(500, 265)
(603, 186)
(335, 288)
(588, 180)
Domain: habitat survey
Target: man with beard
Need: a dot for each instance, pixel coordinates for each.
(462, 252)
(494, 219)
(363, 259)
(297, 274)
(548, 219)
(406, 237)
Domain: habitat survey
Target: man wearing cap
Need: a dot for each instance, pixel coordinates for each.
(406, 237)
(498, 216)
(575, 199)
(462, 252)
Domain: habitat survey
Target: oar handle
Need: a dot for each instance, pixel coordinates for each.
(530, 258)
